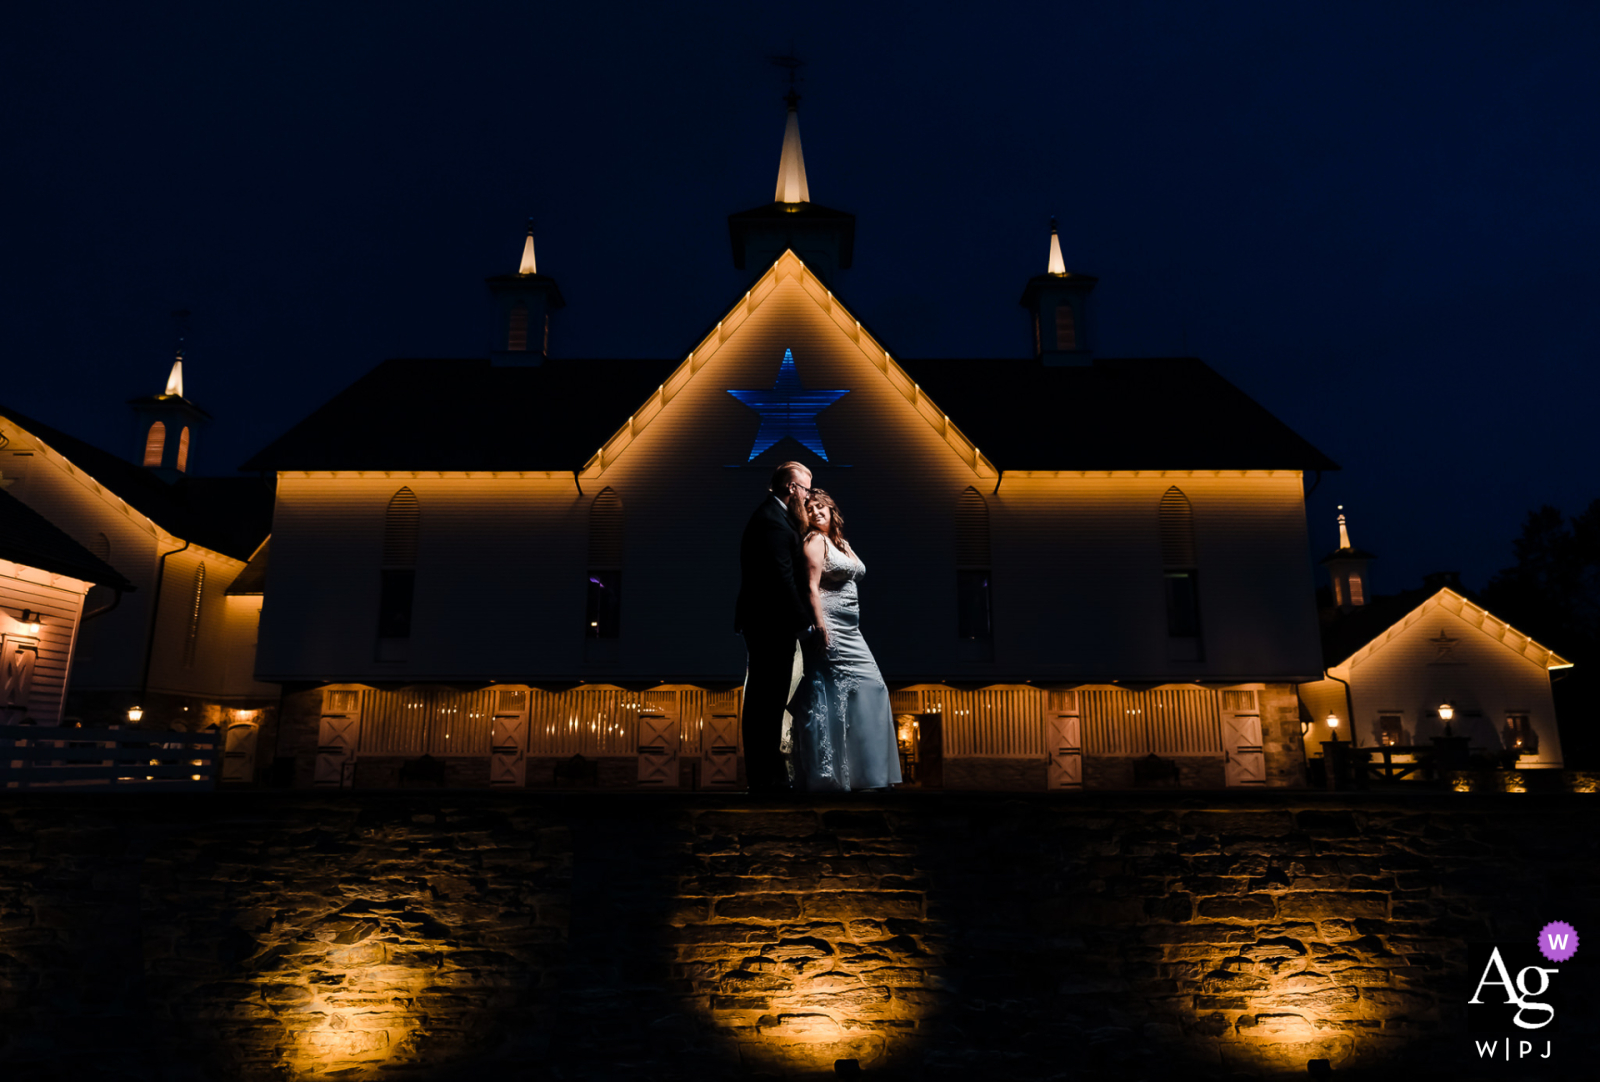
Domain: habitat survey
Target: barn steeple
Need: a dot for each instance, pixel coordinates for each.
(1058, 301)
(1347, 568)
(792, 162)
(168, 423)
(522, 303)
(823, 238)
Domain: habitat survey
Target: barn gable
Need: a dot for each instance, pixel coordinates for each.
(786, 373)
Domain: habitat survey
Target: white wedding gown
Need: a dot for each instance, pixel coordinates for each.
(843, 731)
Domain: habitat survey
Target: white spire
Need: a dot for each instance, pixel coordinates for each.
(175, 379)
(792, 165)
(1344, 533)
(1057, 264)
(529, 266)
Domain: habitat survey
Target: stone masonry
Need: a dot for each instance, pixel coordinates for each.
(433, 935)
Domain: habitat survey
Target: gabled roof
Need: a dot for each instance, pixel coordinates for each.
(229, 515)
(253, 579)
(1146, 413)
(1354, 635)
(27, 537)
(467, 415)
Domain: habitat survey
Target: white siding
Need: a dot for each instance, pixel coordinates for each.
(501, 562)
(59, 599)
(1408, 671)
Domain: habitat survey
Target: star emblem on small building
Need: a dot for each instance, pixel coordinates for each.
(1445, 644)
(788, 409)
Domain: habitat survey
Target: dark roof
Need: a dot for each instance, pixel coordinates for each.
(1348, 554)
(1170, 414)
(1156, 413)
(253, 579)
(229, 515)
(468, 415)
(27, 537)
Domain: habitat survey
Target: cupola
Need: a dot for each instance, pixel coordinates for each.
(168, 425)
(1058, 302)
(823, 238)
(1347, 568)
(521, 304)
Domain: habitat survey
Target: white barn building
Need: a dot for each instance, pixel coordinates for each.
(1080, 571)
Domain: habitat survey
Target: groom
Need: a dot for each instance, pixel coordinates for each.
(772, 614)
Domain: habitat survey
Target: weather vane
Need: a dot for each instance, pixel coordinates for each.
(791, 63)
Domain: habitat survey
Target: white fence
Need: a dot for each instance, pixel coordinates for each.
(40, 757)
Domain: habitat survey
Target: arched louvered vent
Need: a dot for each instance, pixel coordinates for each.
(100, 546)
(517, 332)
(400, 530)
(1177, 530)
(192, 639)
(183, 450)
(605, 530)
(972, 530)
(1066, 327)
(155, 444)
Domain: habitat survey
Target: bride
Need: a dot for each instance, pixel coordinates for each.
(843, 734)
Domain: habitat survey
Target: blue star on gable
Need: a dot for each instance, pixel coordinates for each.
(788, 409)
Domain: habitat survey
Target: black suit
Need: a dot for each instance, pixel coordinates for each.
(772, 614)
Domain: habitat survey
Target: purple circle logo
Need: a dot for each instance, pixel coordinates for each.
(1558, 941)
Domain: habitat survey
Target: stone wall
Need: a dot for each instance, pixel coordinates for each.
(430, 935)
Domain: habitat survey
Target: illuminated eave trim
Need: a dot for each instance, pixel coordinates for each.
(440, 475)
(38, 576)
(1480, 618)
(785, 265)
(1036, 475)
(164, 538)
(95, 487)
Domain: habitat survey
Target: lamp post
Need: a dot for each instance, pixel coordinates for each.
(1333, 727)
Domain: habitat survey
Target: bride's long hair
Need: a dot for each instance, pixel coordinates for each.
(835, 519)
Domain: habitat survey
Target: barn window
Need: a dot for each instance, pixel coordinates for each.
(191, 641)
(1391, 730)
(398, 575)
(974, 616)
(155, 444)
(603, 612)
(183, 449)
(1520, 735)
(1179, 565)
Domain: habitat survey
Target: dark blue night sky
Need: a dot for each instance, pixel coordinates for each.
(1380, 223)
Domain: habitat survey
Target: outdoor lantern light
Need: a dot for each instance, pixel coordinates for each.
(1446, 711)
(1333, 725)
(135, 713)
(31, 621)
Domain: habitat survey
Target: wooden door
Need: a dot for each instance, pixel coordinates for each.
(659, 730)
(1066, 752)
(508, 740)
(719, 746)
(1241, 744)
(338, 737)
(239, 752)
(17, 660)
